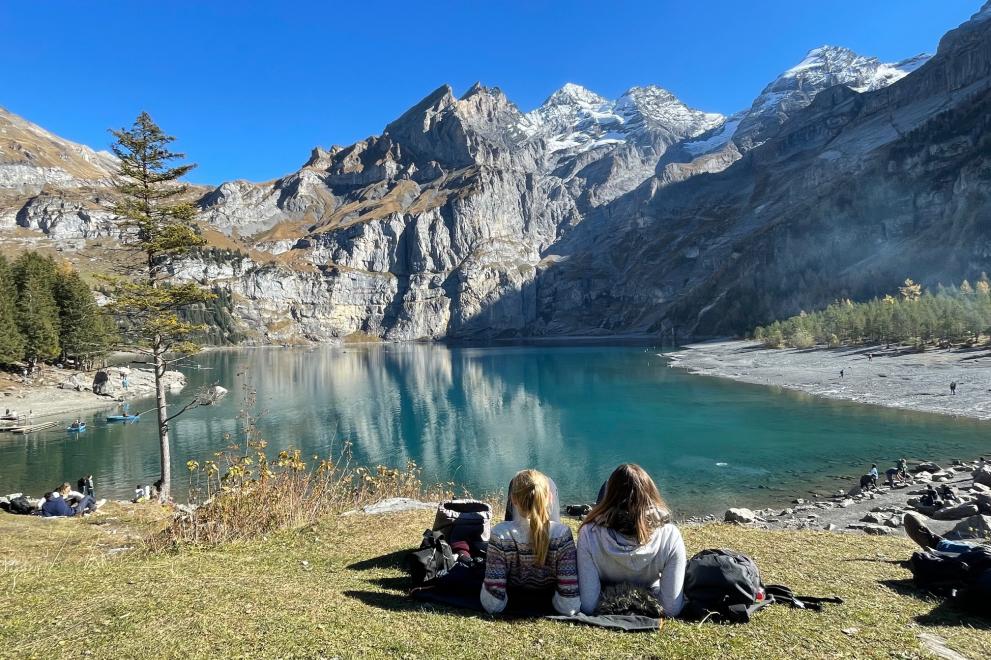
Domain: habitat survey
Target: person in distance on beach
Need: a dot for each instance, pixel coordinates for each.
(893, 474)
(953, 388)
(531, 557)
(628, 539)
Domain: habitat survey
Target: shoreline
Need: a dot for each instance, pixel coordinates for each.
(893, 378)
(43, 397)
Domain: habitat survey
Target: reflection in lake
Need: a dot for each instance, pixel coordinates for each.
(476, 415)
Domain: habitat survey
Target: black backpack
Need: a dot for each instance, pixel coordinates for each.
(726, 585)
(436, 566)
(21, 506)
(965, 577)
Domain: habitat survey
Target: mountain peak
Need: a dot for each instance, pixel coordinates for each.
(572, 94)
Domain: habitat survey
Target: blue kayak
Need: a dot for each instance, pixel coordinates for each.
(123, 418)
(76, 428)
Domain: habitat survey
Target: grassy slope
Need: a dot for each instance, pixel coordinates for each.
(260, 599)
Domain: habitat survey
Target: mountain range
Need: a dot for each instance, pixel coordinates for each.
(468, 218)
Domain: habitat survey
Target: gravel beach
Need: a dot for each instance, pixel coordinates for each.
(893, 377)
(49, 393)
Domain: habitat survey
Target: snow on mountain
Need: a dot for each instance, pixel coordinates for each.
(714, 138)
(575, 119)
(825, 67)
(821, 68)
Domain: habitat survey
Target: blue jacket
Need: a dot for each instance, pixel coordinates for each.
(55, 507)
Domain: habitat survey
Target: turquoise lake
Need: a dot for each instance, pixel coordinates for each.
(476, 415)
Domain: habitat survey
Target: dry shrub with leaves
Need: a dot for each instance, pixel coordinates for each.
(242, 493)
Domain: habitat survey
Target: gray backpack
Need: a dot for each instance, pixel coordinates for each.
(463, 520)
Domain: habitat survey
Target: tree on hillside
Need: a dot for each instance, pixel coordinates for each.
(84, 331)
(37, 313)
(11, 341)
(910, 290)
(158, 228)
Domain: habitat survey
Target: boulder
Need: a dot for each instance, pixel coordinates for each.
(958, 512)
(846, 503)
(982, 475)
(895, 521)
(830, 527)
(926, 467)
(398, 504)
(740, 516)
(975, 527)
(980, 488)
(872, 518)
(787, 512)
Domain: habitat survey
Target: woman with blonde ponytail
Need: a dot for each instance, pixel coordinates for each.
(531, 557)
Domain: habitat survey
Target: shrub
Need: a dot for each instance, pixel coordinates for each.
(243, 493)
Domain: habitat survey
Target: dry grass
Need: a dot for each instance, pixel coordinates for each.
(335, 589)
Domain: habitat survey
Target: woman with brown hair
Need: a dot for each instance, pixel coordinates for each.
(628, 539)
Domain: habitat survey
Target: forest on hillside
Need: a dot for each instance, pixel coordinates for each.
(947, 315)
(48, 313)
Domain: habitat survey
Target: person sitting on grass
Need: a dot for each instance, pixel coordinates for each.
(627, 539)
(57, 503)
(531, 558)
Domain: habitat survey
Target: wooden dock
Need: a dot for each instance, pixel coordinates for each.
(31, 428)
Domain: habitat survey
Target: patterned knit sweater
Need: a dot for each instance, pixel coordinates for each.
(510, 562)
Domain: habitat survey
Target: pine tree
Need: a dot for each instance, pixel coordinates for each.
(910, 290)
(83, 330)
(11, 340)
(159, 230)
(37, 313)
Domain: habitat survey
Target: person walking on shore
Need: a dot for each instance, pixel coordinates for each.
(953, 388)
(841, 373)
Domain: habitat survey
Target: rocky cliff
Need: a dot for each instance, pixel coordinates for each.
(844, 198)
(467, 217)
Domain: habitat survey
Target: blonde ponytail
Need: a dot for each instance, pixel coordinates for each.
(531, 494)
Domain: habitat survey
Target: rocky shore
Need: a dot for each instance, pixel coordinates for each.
(52, 391)
(881, 511)
(894, 377)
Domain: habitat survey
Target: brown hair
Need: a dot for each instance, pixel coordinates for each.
(64, 488)
(631, 505)
(530, 492)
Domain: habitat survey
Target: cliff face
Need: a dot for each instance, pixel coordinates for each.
(470, 218)
(847, 197)
(429, 229)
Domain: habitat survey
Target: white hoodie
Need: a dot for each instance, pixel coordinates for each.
(607, 557)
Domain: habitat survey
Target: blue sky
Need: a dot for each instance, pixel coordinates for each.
(250, 87)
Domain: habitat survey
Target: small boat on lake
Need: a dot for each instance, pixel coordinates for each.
(76, 428)
(113, 419)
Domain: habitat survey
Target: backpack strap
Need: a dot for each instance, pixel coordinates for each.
(778, 593)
